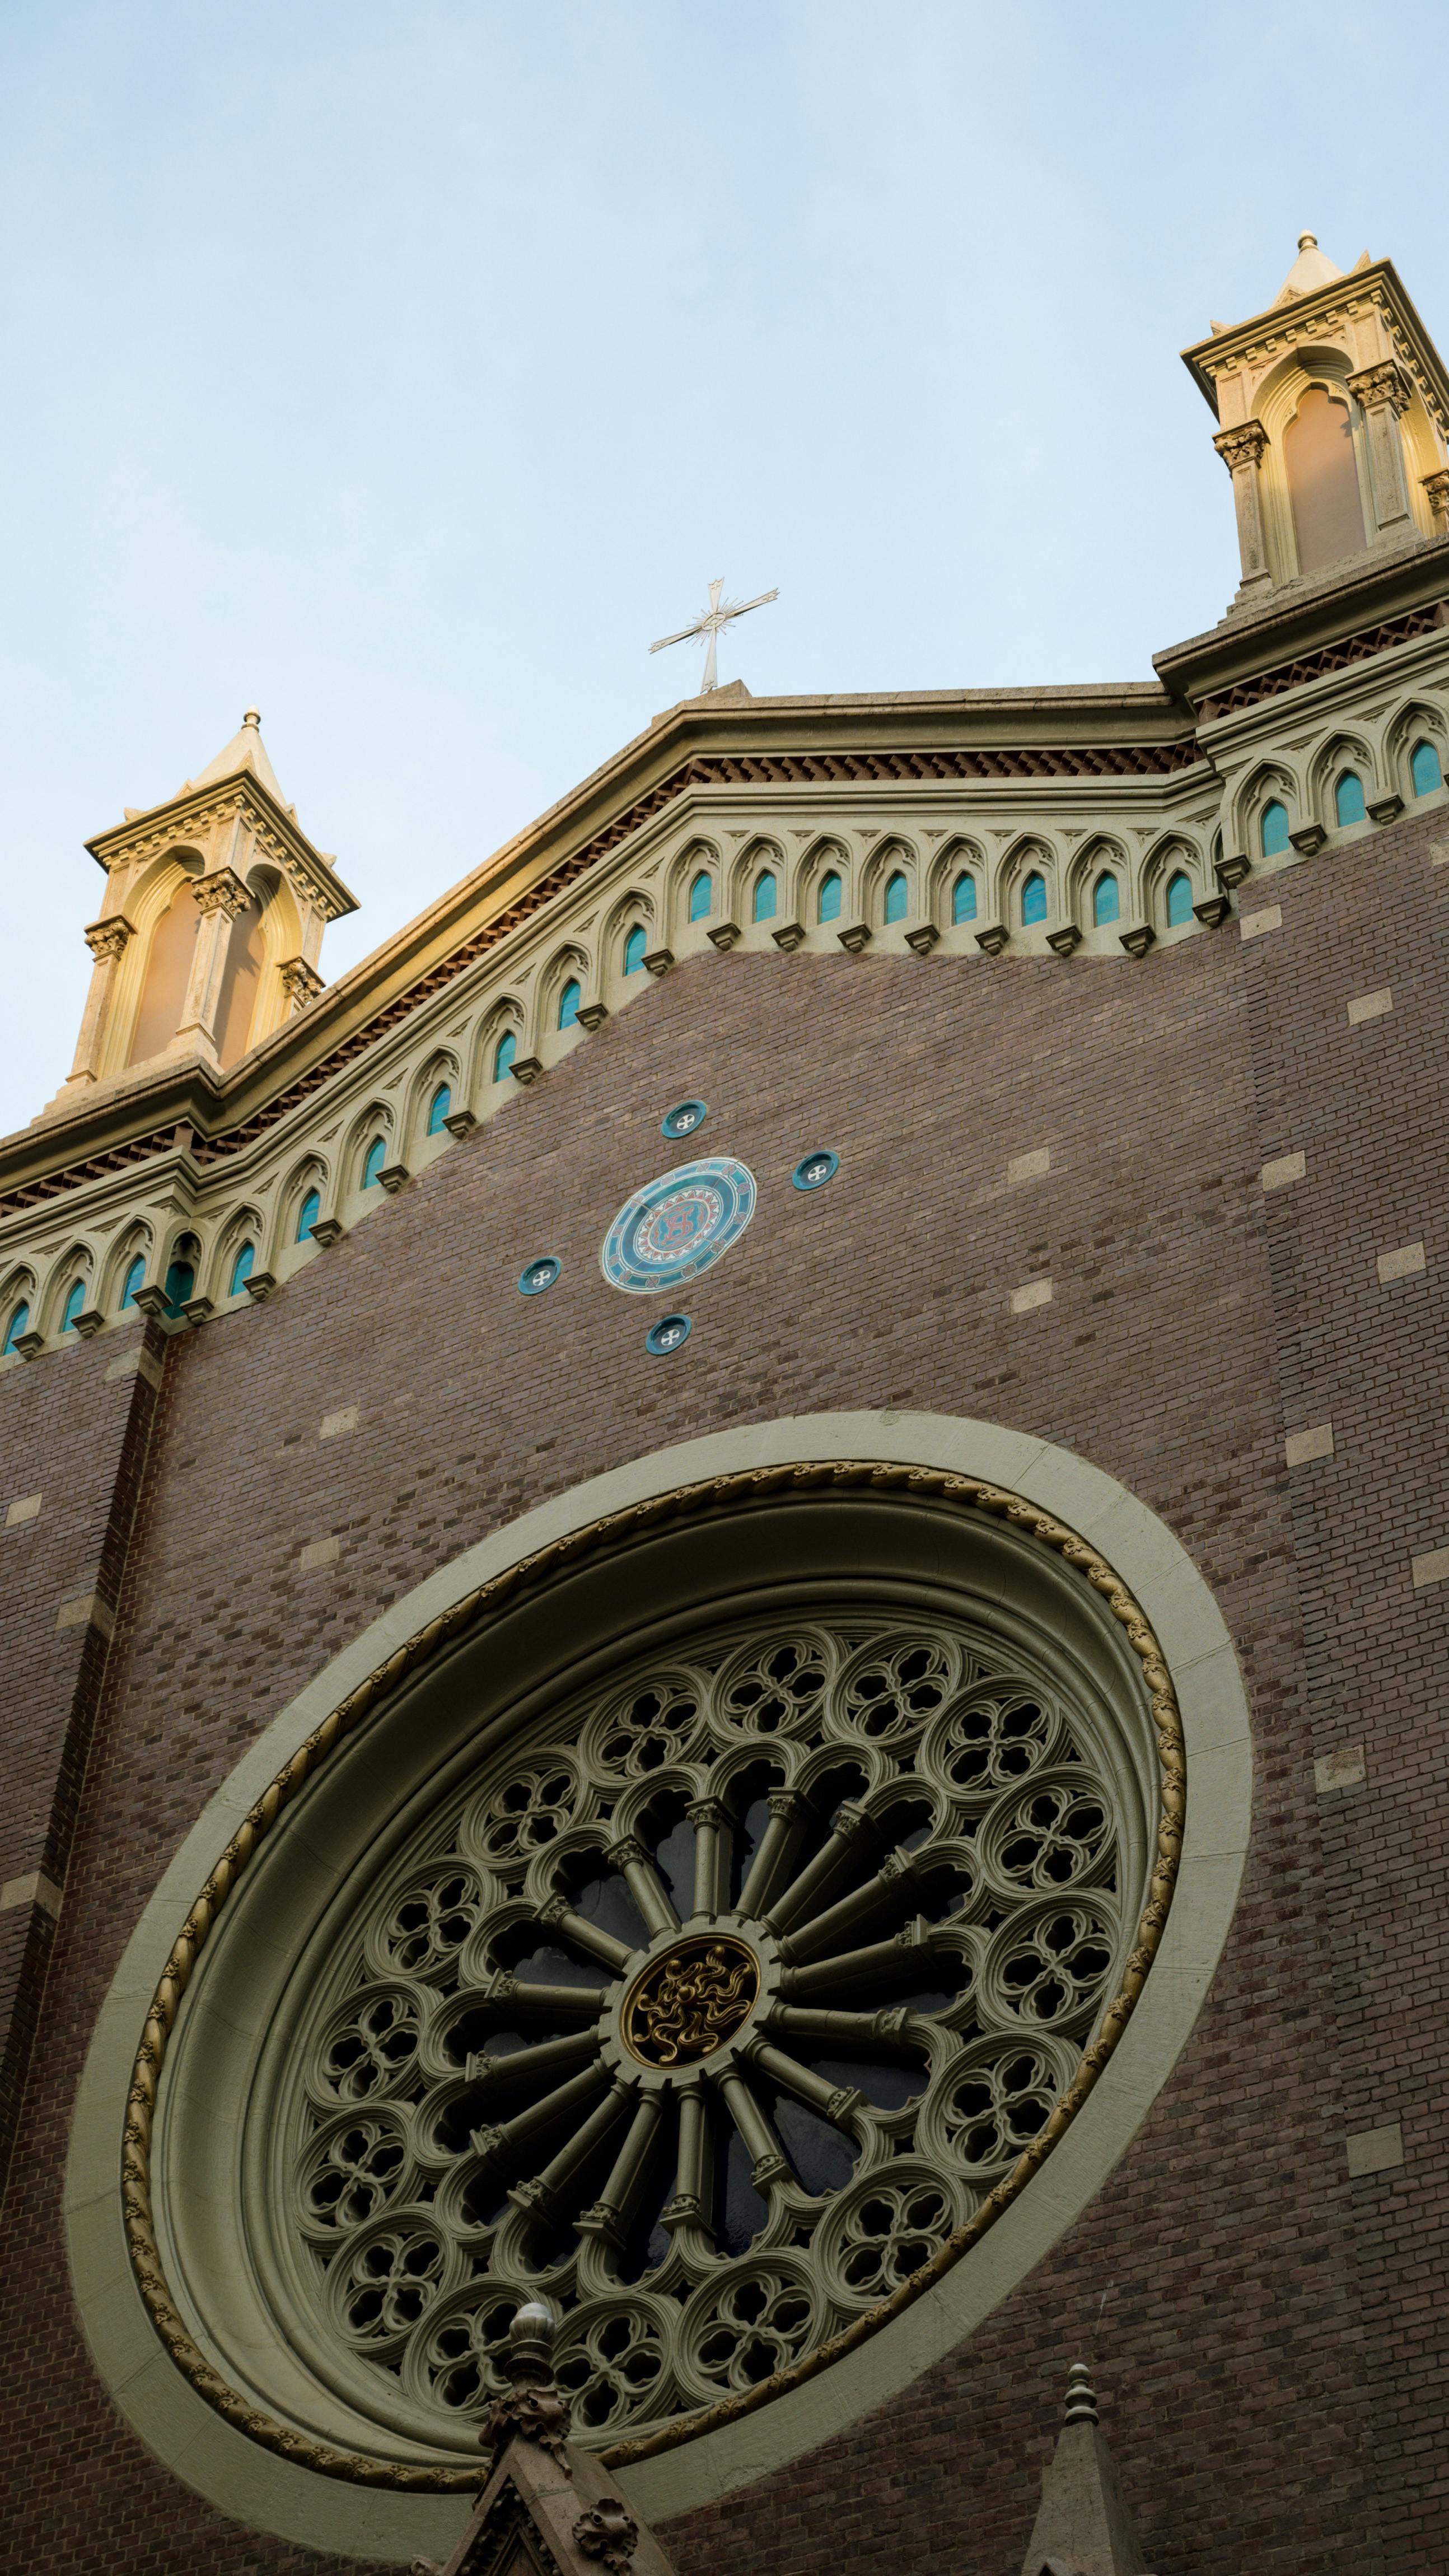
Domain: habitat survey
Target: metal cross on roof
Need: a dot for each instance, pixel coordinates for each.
(716, 616)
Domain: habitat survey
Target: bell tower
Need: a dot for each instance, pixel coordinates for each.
(1334, 405)
(211, 928)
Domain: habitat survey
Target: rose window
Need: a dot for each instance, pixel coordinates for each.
(711, 2008)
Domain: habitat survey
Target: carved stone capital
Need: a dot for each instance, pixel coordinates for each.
(1436, 491)
(1243, 445)
(222, 891)
(300, 982)
(626, 1853)
(109, 938)
(1384, 383)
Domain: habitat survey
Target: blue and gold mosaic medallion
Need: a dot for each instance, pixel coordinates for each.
(677, 1226)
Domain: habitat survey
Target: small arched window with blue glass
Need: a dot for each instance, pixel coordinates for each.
(19, 1323)
(634, 947)
(181, 1275)
(828, 908)
(701, 896)
(1348, 799)
(241, 1269)
(503, 1055)
(438, 1108)
(1179, 900)
(568, 1003)
(897, 897)
(1033, 899)
(765, 897)
(1106, 900)
(1273, 830)
(307, 1215)
(963, 897)
(372, 1162)
(74, 1303)
(1425, 769)
(135, 1278)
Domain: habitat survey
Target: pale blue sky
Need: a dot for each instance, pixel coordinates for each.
(404, 370)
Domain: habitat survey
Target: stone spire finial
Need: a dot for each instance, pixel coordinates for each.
(1083, 2527)
(534, 2409)
(1081, 2397)
(253, 717)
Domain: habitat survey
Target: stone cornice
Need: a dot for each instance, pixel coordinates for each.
(1285, 327)
(1307, 617)
(1132, 732)
(194, 815)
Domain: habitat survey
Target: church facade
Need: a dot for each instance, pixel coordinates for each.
(727, 1602)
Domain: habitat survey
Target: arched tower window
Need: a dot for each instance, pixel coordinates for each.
(372, 1162)
(168, 971)
(765, 892)
(1425, 769)
(134, 1279)
(634, 947)
(701, 896)
(897, 897)
(1323, 481)
(1348, 798)
(438, 1108)
(241, 1269)
(503, 1055)
(1273, 830)
(1179, 900)
(963, 897)
(74, 1301)
(1033, 899)
(828, 908)
(239, 983)
(19, 1323)
(568, 1003)
(307, 1215)
(1106, 900)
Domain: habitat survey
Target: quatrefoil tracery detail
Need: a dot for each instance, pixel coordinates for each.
(709, 2012)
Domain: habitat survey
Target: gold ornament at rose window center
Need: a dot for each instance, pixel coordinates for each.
(691, 2000)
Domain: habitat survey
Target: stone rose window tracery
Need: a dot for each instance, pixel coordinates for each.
(708, 2009)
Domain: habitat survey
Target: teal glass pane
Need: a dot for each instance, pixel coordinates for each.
(19, 1323)
(438, 1108)
(963, 899)
(634, 947)
(830, 897)
(241, 1269)
(1179, 901)
(1106, 901)
(180, 1284)
(898, 895)
(701, 896)
(1273, 831)
(568, 1003)
(1033, 899)
(765, 897)
(132, 1281)
(1425, 770)
(1348, 800)
(307, 1216)
(75, 1300)
(372, 1165)
(503, 1055)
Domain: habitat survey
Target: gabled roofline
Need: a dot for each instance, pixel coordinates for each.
(167, 823)
(1380, 282)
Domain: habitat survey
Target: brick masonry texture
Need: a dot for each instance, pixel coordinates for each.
(1272, 2357)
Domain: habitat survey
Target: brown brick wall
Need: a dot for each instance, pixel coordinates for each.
(1272, 2354)
(75, 1436)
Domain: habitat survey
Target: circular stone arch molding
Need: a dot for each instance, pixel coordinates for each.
(269, 2484)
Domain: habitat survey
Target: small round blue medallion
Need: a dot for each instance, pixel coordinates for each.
(539, 1275)
(677, 1227)
(666, 1335)
(682, 1119)
(814, 1170)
